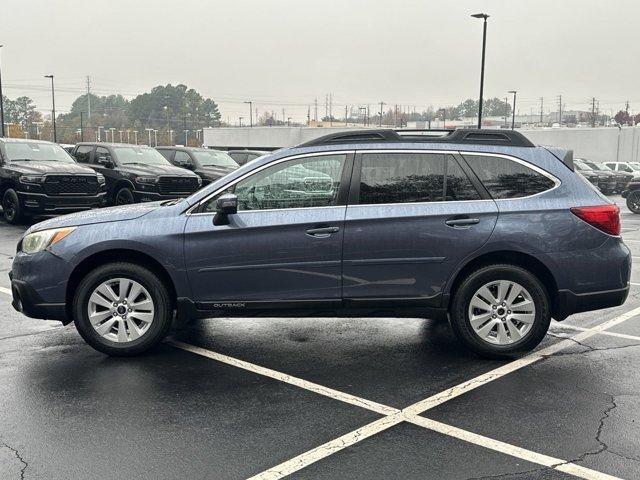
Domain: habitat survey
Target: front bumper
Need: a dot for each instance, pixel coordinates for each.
(27, 301)
(42, 203)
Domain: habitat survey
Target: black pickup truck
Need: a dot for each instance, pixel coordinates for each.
(136, 173)
(41, 178)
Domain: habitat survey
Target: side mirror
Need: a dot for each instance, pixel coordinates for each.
(226, 205)
(105, 161)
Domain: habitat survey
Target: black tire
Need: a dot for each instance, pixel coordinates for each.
(459, 311)
(163, 309)
(633, 201)
(124, 196)
(11, 209)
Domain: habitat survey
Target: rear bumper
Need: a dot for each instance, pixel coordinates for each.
(41, 203)
(569, 302)
(27, 301)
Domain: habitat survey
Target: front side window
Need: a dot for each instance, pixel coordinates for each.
(300, 183)
(182, 158)
(139, 155)
(505, 178)
(36, 151)
(413, 178)
(83, 153)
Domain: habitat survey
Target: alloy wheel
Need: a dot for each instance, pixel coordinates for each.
(9, 207)
(124, 197)
(502, 312)
(120, 310)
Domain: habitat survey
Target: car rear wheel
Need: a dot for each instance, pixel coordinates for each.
(633, 201)
(500, 311)
(124, 196)
(122, 309)
(11, 208)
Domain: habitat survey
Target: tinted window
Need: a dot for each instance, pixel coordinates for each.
(83, 153)
(504, 178)
(182, 157)
(239, 157)
(101, 152)
(166, 153)
(304, 182)
(413, 177)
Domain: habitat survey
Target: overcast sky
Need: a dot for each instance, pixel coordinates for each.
(285, 53)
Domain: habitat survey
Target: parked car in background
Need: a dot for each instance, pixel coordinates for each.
(209, 165)
(632, 168)
(479, 227)
(587, 172)
(622, 178)
(39, 177)
(136, 173)
(606, 181)
(244, 156)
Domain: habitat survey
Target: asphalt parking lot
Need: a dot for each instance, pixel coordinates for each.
(321, 398)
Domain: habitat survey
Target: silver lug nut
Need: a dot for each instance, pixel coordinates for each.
(493, 316)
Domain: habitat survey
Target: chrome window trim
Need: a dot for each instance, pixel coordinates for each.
(256, 170)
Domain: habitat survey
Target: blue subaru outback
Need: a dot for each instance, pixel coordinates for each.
(481, 227)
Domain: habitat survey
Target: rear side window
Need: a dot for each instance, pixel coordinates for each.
(83, 153)
(413, 178)
(505, 178)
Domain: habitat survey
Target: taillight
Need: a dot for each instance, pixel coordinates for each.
(603, 217)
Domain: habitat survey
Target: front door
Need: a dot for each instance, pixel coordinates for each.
(283, 248)
(411, 219)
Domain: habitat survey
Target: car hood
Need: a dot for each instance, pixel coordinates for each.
(99, 215)
(43, 167)
(139, 169)
(215, 171)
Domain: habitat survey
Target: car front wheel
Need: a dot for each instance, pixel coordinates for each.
(11, 208)
(500, 311)
(122, 309)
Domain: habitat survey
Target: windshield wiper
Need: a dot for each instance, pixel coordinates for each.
(21, 160)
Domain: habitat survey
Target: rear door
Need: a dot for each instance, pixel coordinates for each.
(412, 217)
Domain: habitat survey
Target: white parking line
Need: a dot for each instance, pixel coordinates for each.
(607, 333)
(393, 416)
(411, 412)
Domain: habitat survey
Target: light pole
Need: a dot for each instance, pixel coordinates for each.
(250, 103)
(53, 110)
(113, 130)
(135, 134)
(513, 113)
(484, 16)
(240, 121)
(149, 130)
(1, 104)
(186, 138)
(155, 137)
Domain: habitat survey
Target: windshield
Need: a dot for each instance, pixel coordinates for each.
(594, 166)
(215, 158)
(147, 156)
(582, 165)
(36, 151)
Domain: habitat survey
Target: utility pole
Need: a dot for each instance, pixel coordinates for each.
(506, 102)
(89, 96)
(541, 109)
(593, 112)
(184, 124)
(326, 106)
(395, 116)
(1, 100)
(513, 112)
(315, 112)
(53, 110)
(81, 128)
(331, 109)
(308, 115)
(250, 103)
(560, 109)
(382, 104)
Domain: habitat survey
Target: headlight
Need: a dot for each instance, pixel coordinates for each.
(31, 179)
(38, 241)
(146, 179)
(101, 179)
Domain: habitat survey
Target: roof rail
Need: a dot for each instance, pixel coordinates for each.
(388, 135)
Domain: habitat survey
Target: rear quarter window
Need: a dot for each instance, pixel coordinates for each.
(505, 178)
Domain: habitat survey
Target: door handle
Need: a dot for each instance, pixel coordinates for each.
(462, 221)
(322, 231)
